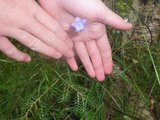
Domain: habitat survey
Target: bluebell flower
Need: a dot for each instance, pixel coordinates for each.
(79, 24)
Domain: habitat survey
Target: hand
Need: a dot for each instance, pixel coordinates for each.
(27, 22)
(92, 44)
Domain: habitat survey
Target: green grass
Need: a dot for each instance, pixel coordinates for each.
(45, 89)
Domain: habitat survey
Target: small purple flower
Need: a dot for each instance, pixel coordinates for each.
(79, 24)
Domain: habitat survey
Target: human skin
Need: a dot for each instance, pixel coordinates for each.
(28, 23)
(92, 44)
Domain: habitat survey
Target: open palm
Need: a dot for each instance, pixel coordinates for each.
(91, 44)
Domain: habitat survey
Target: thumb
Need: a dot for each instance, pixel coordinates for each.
(109, 18)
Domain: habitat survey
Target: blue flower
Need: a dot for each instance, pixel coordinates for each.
(79, 24)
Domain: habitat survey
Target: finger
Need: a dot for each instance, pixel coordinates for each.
(108, 17)
(34, 44)
(96, 60)
(11, 51)
(45, 19)
(72, 64)
(84, 57)
(49, 38)
(106, 54)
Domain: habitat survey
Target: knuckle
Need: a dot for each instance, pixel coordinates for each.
(99, 14)
(12, 51)
(33, 44)
(56, 26)
(54, 54)
(50, 38)
(66, 51)
(25, 37)
(30, 41)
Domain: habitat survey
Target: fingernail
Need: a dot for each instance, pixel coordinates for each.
(100, 78)
(72, 64)
(92, 74)
(108, 69)
(75, 68)
(27, 58)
